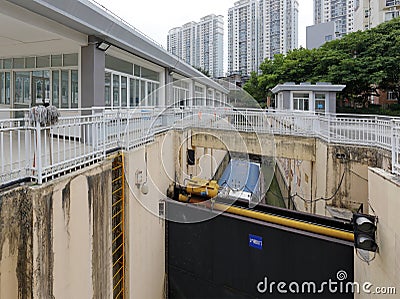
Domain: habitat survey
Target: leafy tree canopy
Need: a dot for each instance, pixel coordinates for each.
(364, 61)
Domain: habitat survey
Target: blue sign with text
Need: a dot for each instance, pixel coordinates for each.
(255, 242)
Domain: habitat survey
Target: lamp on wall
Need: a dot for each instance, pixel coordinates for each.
(103, 46)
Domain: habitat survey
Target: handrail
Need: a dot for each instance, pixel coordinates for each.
(31, 152)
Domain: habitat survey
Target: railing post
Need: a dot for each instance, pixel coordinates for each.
(38, 154)
(329, 128)
(103, 118)
(394, 146)
(376, 131)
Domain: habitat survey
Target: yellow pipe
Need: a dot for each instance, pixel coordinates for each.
(326, 231)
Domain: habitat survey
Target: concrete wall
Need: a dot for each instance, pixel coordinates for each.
(55, 239)
(384, 271)
(146, 243)
(322, 178)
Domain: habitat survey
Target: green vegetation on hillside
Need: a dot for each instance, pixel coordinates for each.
(366, 62)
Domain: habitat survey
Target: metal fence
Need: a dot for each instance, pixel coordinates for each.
(29, 151)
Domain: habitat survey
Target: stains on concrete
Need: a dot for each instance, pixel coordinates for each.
(66, 205)
(43, 229)
(16, 228)
(99, 200)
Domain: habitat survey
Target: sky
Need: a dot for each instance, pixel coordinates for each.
(155, 18)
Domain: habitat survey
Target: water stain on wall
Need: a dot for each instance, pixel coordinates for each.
(16, 228)
(99, 200)
(43, 228)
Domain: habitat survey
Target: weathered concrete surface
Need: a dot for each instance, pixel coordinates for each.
(16, 262)
(55, 239)
(146, 231)
(339, 175)
(384, 271)
(257, 144)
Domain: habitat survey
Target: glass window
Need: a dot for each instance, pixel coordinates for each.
(137, 71)
(30, 62)
(131, 92)
(124, 91)
(157, 94)
(56, 88)
(118, 65)
(64, 88)
(107, 92)
(8, 91)
(19, 63)
(43, 61)
(56, 60)
(7, 63)
(143, 93)
(137, 92)
(115, 90)
(71, 59)
(2, 97)
(21, 89)
(1, 64)
(74, 89)
(149, 74)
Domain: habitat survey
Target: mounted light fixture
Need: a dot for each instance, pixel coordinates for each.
(103, 46)
(365, 232)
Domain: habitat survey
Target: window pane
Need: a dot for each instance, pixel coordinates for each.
(301, 95)
(30, 62)
(71, 59)
(137, 92)
(19, 63)
(306, 106)
(149, 74)
(64, 89)
(2, 98)
(56, 88)
(107, 92)
(157, 94)
(118, 65)
(43, 61)
(21, 95)
(56, 60)
(124, 92)
(74, 89)
(115, 90)
(131, 92)
(27, 91)
(295, 104)
(7, 63)
(143, 93)
(8, 91)
(1, 64)
(137, 71)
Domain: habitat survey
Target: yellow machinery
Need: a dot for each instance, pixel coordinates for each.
(197, 187)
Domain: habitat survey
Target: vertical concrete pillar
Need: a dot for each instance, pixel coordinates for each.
(169, 92)
(92, 75)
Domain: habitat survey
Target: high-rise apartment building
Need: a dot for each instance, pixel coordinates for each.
(339, 11)
(200, 44)
(371, 13)
(259, 29)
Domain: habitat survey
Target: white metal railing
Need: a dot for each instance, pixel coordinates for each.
(29, 151)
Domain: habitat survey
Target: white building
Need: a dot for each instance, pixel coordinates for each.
(371, 13)
(339, 11)
(200, 44)
(259, 29)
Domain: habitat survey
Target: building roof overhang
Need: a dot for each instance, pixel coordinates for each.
(90, 19)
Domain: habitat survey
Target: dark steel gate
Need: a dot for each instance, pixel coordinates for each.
(232, 256)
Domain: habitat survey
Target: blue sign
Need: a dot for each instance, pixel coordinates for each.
(255, 242)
